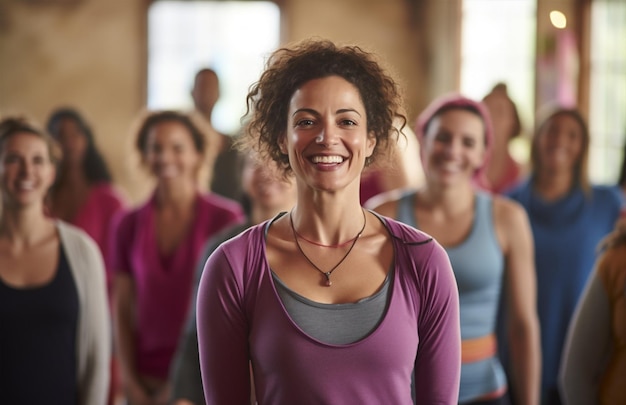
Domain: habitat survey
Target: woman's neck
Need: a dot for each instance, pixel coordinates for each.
(449, 200)
(553, 185)
(175, 194)
(25, 225)
(328, 218)
(72, 178)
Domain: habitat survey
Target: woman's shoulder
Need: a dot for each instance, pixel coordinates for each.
(214, 201)
(75, 240)
(404, 233)
(607, 193)
(109, 193)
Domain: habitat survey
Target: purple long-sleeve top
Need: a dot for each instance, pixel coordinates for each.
(241, 319)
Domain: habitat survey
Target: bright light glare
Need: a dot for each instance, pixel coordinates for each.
(558, 19)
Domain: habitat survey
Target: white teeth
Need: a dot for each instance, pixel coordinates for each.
(26, 185)
(327, 159)
(169, 172)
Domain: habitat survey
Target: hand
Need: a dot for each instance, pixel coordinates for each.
(183, 402)
(162, 396)
(137, 395)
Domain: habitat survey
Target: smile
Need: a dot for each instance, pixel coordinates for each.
(327, 159)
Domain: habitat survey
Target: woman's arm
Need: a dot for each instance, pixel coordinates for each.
(124, 305)
(98, 327)
(438, 362)
(520, 303)
(222, 334)
(586, 347)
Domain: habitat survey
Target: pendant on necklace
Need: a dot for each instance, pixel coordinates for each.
(328, 282)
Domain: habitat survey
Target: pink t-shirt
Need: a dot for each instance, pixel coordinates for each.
(95, 217)
(163, 285)
(241, 318)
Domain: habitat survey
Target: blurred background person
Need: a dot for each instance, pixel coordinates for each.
(224, 176)
(55, 341)
(266, 193)
(593, 370)
(621, 180)
(569, 217)
(502, 171)
(489, 242)
(83, 193)
(156, 249)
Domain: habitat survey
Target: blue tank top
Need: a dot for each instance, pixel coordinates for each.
(478, 266)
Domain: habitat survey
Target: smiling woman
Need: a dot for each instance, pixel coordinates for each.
(156, 248)
(328, 291)
(53, 308)
(488, 240)
(569, 216)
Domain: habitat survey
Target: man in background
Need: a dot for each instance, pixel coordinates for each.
(224, 178)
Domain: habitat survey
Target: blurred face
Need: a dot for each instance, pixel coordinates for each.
(502, 117)
(453, 147)
(263, 184)
(26, 170)
(73, 141)
(326, 138)
(205, 91)
(560, 143)
(170, 153)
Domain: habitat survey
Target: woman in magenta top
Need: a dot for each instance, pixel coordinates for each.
(83, 193)
(156, 247)
(329, 303)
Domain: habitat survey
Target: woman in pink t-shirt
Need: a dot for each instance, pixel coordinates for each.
(156, 248)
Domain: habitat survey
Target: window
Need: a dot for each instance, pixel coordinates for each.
(498, 45)
(231, 37)
(607, 105)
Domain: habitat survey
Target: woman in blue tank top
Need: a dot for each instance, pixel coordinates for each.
(489, 242)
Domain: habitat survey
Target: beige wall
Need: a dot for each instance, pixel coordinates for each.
(92, 54)
(84, 53)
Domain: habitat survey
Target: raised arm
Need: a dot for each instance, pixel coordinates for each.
(522, 322)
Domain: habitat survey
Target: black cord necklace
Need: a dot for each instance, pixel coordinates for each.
(327, 283)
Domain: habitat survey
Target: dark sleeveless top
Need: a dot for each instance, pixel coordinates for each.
(38, 341)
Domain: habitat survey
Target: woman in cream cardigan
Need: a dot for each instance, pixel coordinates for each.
(55, 338)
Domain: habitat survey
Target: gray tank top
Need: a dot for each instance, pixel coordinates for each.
(335, 323)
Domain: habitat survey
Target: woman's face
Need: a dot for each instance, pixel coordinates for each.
(170, 153)
(264, 185)
(26, 170)
(453, 147)
(502, 117)
(560, 143)
(73, 141)
(326, 138)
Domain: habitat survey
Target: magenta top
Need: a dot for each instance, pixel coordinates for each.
(241, 318)
(163, 284)
(95, 217)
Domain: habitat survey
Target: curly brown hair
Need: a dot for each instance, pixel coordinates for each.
(289, 68)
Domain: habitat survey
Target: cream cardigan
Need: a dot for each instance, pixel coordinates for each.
(93, 343)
